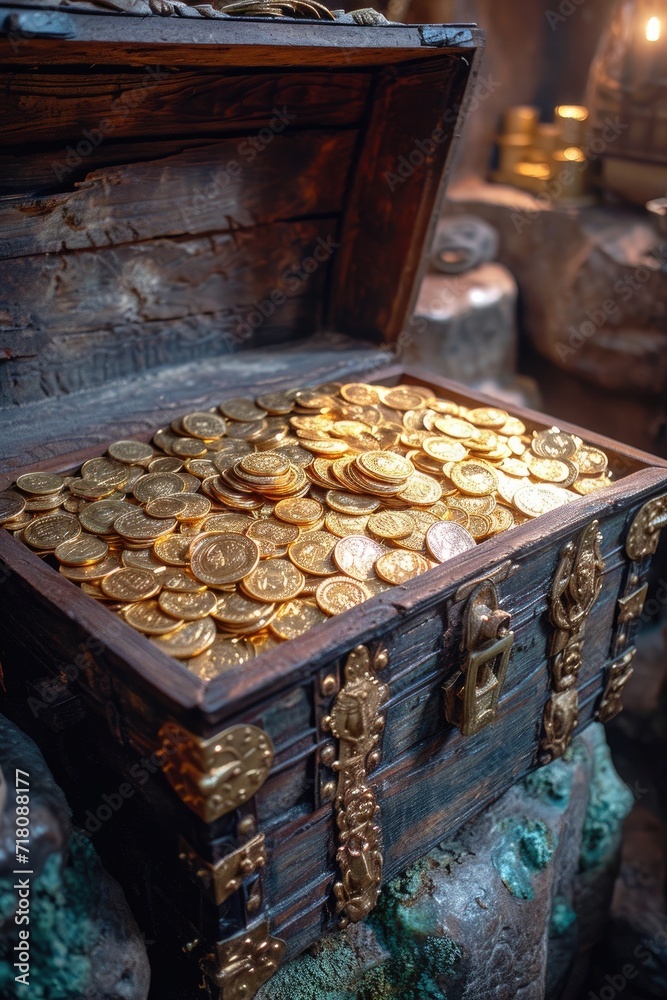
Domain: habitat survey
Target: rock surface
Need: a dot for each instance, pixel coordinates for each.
(83, 941)
(503, 911)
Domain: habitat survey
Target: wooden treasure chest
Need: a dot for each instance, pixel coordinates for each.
(198, 208)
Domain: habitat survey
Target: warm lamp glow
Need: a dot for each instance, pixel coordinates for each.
(653, 30)
(575, 111)
(573, 154)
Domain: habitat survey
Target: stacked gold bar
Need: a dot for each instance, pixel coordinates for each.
(240, 528)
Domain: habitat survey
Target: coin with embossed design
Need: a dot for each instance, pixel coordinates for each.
(186, 605)
(187, 640)
(131, 584)
(148, 617)
(356, 556)
(296, 617)
(446, 539)
(274, 580)
(340, 593)
(400, 565)
(81, 551)
(45, 533)
(224, 558)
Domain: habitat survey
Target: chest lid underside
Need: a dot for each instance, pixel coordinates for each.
(175, 189)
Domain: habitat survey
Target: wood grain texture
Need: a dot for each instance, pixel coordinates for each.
(112, 40)
(217, 186)
(86, 318)
(161, 101)
(394, 195)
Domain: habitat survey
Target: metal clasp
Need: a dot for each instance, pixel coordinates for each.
(471, 696)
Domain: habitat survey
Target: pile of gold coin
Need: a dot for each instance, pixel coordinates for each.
(243, 527)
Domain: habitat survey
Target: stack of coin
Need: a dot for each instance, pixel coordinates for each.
(243, 527)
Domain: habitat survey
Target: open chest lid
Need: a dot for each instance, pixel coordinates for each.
(175, 188)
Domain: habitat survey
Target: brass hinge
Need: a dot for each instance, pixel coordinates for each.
(576, 587)
(243, 963)
(471, 696)
(216, 775)
(226, 876)
(357, 723)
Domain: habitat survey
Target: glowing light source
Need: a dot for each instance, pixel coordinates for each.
(575, 111)
(653, 30)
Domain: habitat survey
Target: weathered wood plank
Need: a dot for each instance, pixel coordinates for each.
(161, 101)
(111, 40)
(84, 318)
(394, 195)
(219, 186)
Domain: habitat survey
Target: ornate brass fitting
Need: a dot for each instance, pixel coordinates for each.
(240, 965)
(357, 723)
(644, 533)
(226, 876)
(575, 589)
(471, 696)
(217, 775)
(619, 673)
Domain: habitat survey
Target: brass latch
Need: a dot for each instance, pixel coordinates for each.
(226, 876)
(471, 697)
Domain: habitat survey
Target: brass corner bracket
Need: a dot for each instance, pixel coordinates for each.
(471, 696)
(618, 675)
(357, 723)
(576, 588)
(220, 880)
(240, 965)
(216, 775)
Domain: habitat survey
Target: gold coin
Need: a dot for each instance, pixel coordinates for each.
(535, 500)
(297, 510)
(105, 470)
(313, 553)
(270, 529)
(360, 393)
(339, 594)
(324, 447)
(186, 605)
(502, 519)
(131, 585)
(189, 447)
(277, 402)
(458, 516)
(241, 410)
(487, 416)
(203, 425)
(295, 618)
(343, 525)
(586, 486)
(455, 427)
(222, 655)
(399, 565)
(351, 503)
(443, 450)
(479, 526)
(554, 443)
(11, 506)
(472, 505)
(45, 533)
(422, 490)
(180, 580)
(591, 461)
(137, 526)
(474, 477)
(195, 506)
(96, 571)
(237, 609)
(417, 540)
(142, 559)
(274, 580)
(223, 558)
(230, 521)
(131, 452)
(403, 397)
(514, 467)
(168, 506)
(386, 466)
(356, 556)
(173, 550)
(91, 489)
(549, 470)
(188, 640)
(445, 539)
(391, 524)
(40, 483)
(81, 551)
(265, 463)
(165, 465)
(158, 484)
(99, 517)
(148, 617)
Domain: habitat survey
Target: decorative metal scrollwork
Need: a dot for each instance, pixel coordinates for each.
(240, 965)
(644, 533)
(357, 723)
(618, 675)
(576, 587)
